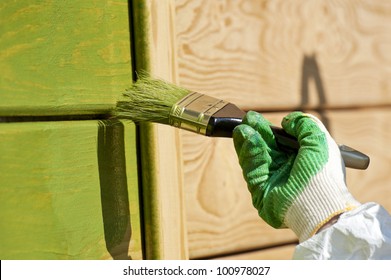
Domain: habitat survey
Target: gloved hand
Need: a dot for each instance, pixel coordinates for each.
(301, 191)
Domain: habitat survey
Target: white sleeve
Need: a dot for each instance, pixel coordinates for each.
(363, 233)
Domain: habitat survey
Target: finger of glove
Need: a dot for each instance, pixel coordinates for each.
(318, 138)
(262, 126)
(308, 129)
(316, 145)
(253, 155)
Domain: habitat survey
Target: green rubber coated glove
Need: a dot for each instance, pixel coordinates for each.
(302, 190)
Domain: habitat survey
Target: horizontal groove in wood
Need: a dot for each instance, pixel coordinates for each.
(9, 119)
(334, 108)
(254, 250)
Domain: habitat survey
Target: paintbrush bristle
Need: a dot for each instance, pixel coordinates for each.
(149, 100)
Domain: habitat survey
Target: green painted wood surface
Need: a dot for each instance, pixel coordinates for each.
(63, 57)
(68, 190)
(151, 204)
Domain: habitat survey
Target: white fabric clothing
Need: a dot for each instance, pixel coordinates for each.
(363, 233)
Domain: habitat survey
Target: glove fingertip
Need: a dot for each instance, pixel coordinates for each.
(297, 123)
(289, 121)
(243, 131)
(263, 126)
(240, 134)
(255, 119)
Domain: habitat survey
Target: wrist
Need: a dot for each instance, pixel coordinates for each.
(317, 206)
(328, 223)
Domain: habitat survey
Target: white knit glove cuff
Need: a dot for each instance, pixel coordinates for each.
(323, 199)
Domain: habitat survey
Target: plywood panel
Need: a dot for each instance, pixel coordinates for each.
(270, 55)
(275, 56)
(69, 190)
(63, 57)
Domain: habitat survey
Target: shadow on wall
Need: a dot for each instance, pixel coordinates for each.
(114, 189)
(310, 71)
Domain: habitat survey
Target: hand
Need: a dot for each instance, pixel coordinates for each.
(302, 190)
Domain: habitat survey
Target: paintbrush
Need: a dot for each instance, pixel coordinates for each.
(154, 100)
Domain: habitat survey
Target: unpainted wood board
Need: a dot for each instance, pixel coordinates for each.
(269, 55)
(160, 148)
(284, 252)
(63, 57)
(69, 190)
(221, 219)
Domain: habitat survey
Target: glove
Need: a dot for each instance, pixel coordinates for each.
(301, 191)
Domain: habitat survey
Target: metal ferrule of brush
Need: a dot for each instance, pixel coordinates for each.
(193, 112)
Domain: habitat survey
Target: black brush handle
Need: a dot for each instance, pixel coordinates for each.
(223, 122)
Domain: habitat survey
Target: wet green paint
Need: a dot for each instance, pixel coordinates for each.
(66, 194)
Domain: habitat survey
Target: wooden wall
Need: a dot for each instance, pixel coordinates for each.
(64, 65)
(331, 58)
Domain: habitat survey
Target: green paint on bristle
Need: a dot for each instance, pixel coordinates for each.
(149, 100)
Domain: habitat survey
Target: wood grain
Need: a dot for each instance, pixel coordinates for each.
(68, 190)
(276, 55)
(63, 57)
